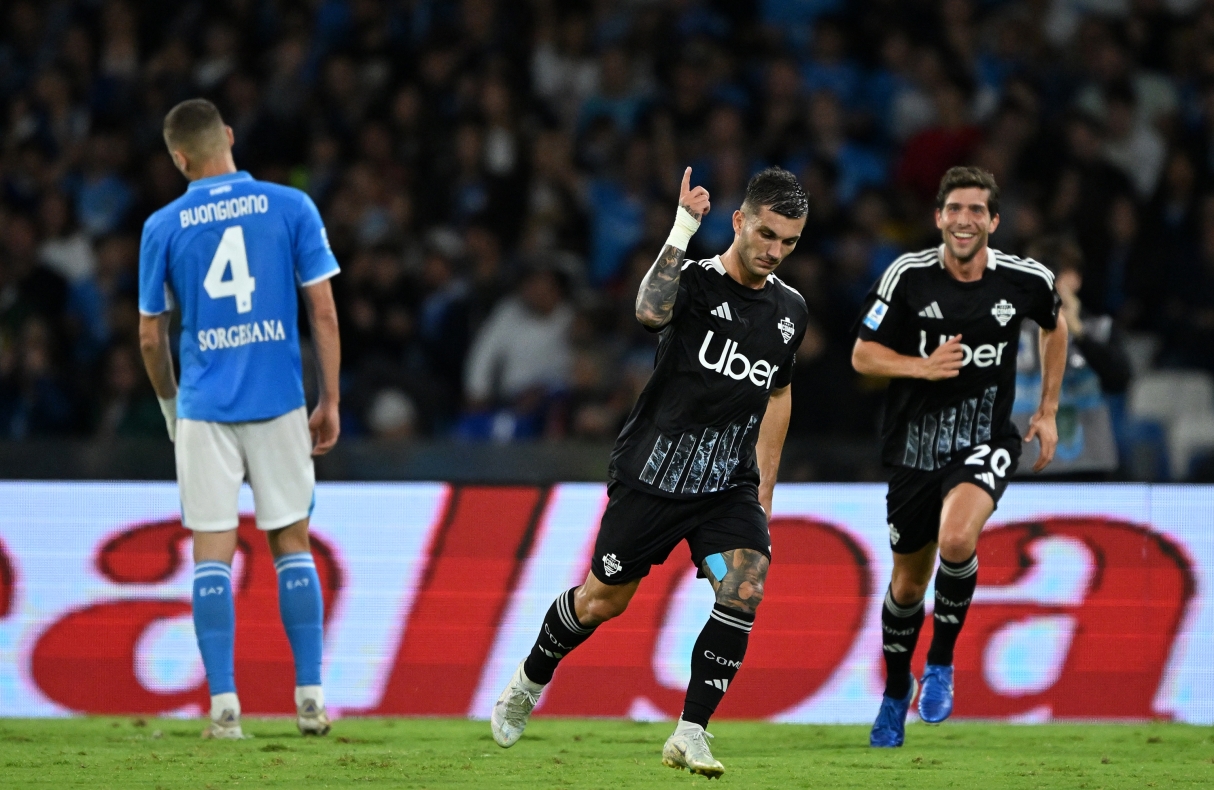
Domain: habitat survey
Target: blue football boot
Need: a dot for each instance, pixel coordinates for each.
(936, 701)
(890, 727)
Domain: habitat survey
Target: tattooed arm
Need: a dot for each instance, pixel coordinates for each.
(655, 299)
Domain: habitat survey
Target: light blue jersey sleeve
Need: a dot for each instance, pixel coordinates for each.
(314, 259)
(153, 270)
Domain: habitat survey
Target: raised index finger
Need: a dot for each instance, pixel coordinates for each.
(686, 186)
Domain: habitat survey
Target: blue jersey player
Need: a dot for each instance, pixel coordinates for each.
(231, 254)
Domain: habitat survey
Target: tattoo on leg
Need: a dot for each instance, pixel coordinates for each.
(655, 300)
(742, 585)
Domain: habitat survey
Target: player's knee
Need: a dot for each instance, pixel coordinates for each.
(907, 591)
(292, 539)
(601, 609)
(956, 547)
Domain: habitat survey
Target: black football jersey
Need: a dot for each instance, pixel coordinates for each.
(727, 347)
(916, 306)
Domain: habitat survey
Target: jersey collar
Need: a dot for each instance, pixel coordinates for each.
(741, 290)
(991, 255)
(213, 181)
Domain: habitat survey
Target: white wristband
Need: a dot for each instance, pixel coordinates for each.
(168, 407)
(685, 226)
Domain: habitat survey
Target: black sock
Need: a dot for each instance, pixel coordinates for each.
(560, 633)
(955, 583)
(715, 660)
(899, 633)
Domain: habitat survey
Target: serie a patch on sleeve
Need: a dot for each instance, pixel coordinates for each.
(876, 315)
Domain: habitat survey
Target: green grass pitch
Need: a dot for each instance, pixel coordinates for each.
(567, 753)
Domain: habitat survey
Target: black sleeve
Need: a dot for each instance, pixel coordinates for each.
(1044, 304)
(882, 316)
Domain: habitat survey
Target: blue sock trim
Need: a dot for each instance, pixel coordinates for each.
(214, 611)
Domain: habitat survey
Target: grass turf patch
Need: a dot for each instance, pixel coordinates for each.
(578, 753)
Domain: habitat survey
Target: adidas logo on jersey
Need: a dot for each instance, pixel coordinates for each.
(931, 311)
(723, 311)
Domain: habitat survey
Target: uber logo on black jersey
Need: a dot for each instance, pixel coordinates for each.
(736, 365)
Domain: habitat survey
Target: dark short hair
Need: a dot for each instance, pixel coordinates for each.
(778, 190)
(966, 177)
(192, 126)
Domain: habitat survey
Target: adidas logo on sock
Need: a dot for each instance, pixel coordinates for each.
(986, 477)
(723, 311)
(931, 311)
(948, 618)
(894, 648)
(723, 685)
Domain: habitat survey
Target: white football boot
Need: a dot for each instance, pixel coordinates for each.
(225, 718)
(513, 708)
(687, 747)
(311, 718)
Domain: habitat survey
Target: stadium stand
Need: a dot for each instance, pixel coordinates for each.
(456, 147)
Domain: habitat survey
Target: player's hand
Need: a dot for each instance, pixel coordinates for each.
(945, 361)
(1043, 427)
(694, 200)
(325, 425)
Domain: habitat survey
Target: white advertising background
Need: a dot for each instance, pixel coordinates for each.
(380, 535)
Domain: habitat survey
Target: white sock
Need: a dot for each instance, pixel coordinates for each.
(226, 701)
(314, 693)
(687, 726)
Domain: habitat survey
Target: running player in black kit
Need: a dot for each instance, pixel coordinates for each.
(944, 325)
(698, 456)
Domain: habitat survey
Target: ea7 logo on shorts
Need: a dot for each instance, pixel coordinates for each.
(611, 564)
(1003, 311)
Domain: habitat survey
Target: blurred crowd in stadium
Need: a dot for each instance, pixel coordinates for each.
(497, 176)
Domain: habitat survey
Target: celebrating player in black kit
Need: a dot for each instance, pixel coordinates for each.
(944, 325)
(698, 456)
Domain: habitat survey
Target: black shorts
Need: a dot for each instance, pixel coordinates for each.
(639, 530)
(916, 497)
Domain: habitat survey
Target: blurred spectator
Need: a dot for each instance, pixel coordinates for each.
(520, 360)
(34, 399)
(65, 249)
(1187, 317)
(1097, 374)
(449, 144)
(950, 141)
(128, 406)
(1134, 147)
(103, 196)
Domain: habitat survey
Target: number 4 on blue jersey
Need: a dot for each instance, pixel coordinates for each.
(231, 252)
